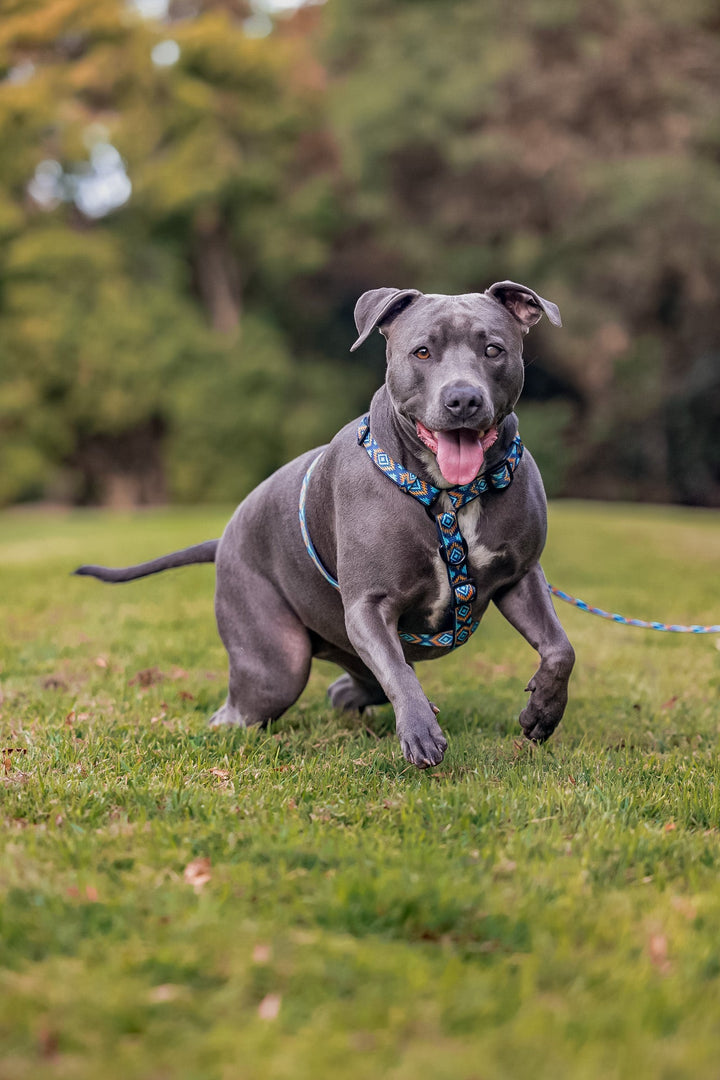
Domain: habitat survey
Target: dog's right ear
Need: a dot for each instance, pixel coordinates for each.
(377, 306)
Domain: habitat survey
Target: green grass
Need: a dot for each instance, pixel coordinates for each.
(518, 912)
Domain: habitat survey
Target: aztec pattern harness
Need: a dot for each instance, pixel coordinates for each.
(453, 548)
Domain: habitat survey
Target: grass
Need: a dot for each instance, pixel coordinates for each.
(176, 903)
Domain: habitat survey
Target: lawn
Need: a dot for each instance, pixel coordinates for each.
(300, 903)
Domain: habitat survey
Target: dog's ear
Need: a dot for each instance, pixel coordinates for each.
(524, 303)
(377, 306)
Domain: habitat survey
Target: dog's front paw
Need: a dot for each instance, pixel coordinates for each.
(422, 741)
(543, 712)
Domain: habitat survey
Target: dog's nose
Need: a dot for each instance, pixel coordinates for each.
(462, 400)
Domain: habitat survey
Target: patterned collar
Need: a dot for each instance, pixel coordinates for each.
(500, 477)
(453, 548)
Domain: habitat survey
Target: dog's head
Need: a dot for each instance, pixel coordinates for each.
(455, 367)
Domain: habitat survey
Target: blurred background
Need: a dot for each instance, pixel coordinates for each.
(193, 193)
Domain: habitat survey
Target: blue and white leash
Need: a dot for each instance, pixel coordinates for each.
(670, 628)
(453, 546)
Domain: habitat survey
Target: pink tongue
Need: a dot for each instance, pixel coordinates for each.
(459, 455)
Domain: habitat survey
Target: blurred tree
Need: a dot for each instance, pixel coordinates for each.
(572, 146)
(146, 162)
(176, 207)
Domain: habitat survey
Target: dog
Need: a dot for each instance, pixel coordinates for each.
(386, 546)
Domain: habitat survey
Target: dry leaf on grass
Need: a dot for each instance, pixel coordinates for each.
(7, 754)
(164, 992)
(147, 677)
(269, 1007)
(261, 954)
(658, 952)
(197, 873)
(53, 682)
(684, 906)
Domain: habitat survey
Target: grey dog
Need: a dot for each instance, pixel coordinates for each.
(455, 372)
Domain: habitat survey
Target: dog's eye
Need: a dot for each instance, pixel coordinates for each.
(423, 353)
(492, 351)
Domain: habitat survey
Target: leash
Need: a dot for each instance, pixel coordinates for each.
(669, 628)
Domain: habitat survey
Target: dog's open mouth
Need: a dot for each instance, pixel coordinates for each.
(460, 453)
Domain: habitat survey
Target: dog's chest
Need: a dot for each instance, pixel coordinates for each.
(480, 557)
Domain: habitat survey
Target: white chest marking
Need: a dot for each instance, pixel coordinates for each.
(479, 556)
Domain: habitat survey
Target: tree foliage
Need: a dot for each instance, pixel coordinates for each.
(188, 213)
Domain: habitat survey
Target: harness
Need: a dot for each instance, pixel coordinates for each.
(453, 548)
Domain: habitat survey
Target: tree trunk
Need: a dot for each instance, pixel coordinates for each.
(122, 471)
(216, 273)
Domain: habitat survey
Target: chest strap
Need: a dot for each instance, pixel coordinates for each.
(453, 548)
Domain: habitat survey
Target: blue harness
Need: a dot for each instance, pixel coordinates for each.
(453, 548)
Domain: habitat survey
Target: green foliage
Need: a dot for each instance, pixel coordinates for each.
(245, 409)
(546, 912)
(106, 345)
(566, 147)
(274, 179)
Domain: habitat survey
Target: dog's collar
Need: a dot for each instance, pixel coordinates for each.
(453, 549)
(498, 478)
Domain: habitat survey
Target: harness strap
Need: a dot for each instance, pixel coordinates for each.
(453, 549)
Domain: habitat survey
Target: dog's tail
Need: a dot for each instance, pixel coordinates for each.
(198, 553)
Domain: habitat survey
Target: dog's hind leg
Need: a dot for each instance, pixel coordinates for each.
(269, 650)
(353, 694)
(358, 688)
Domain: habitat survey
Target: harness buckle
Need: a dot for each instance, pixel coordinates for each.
(458, 553)
(464, 592)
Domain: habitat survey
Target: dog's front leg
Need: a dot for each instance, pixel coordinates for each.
(372, 628)
(527, 606)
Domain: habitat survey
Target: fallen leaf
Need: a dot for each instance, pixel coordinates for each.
(92, 894)
(101, 662)
(147, 677)
(49, 1042)
(685, 907)
(53, 682)
(261, 954)
(670, 702)
(163, 992)
(197, 873)
(7, 756)
(658, 952)
(269, 1007)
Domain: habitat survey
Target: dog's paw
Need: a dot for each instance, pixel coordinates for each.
(422, 741)
(227, 716)
(351, 696)
(542, 714)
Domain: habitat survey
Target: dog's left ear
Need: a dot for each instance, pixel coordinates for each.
(524, 303)
(377, 306)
